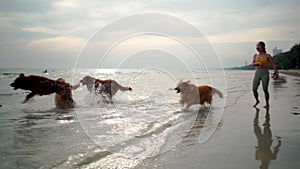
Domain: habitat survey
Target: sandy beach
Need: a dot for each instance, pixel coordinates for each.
(248, 138)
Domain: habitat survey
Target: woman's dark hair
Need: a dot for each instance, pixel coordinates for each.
(263, 45)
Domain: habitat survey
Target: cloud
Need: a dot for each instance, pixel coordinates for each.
(5, 22)
(28, 6)
(67, 4)
(63, 26)
(40, 29)
(256, 34)
(83, 18)
(233, 18)
(57, 44)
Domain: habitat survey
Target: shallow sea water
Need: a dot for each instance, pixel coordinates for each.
(145, 128)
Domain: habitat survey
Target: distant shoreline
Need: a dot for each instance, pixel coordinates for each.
(291, 72)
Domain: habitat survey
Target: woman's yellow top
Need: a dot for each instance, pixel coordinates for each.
(262, 59)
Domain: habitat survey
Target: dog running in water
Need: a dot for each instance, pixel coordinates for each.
(39, 85)
(105, 88)
(191, 94)
(65, 101)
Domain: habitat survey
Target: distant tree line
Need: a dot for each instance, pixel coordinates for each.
(290, 59)
(285, 60)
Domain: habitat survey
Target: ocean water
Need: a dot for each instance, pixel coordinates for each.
(140, 130)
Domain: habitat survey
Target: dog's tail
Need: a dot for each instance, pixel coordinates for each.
(120, 87)
(216, 91)
(125, 88)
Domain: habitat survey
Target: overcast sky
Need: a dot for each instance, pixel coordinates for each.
(51, 34)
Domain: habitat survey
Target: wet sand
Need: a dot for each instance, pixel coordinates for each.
(294, 72)
(248, 138)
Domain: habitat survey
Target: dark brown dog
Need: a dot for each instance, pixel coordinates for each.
(39, 85)
(105, 88)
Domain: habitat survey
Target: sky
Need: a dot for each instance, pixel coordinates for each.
(59, 34)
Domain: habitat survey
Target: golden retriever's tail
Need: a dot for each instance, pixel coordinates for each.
(125, 88)
(120, 87)
(216, 91)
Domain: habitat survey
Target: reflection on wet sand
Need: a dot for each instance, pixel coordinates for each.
(279, 83)
(264, 141)
(198, 124)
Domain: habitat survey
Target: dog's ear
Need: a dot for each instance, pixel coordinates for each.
(22, 75)
(188, 81)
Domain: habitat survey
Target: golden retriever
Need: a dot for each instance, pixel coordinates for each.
(61, 101)
(191, 94)
(105, 88)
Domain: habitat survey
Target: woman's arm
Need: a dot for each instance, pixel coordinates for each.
(273, 64)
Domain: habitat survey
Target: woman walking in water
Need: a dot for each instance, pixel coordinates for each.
(261, 62)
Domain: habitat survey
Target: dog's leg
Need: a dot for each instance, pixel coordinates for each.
(181, 102)
(188, 105)
(30, 95)
(109, 96)
(104, 99)
(70, 103)
(206, 106)
(109, 99)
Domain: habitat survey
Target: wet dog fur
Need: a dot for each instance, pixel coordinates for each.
(191, 94)
(65, 101)
(105, 88)
(39, 85)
